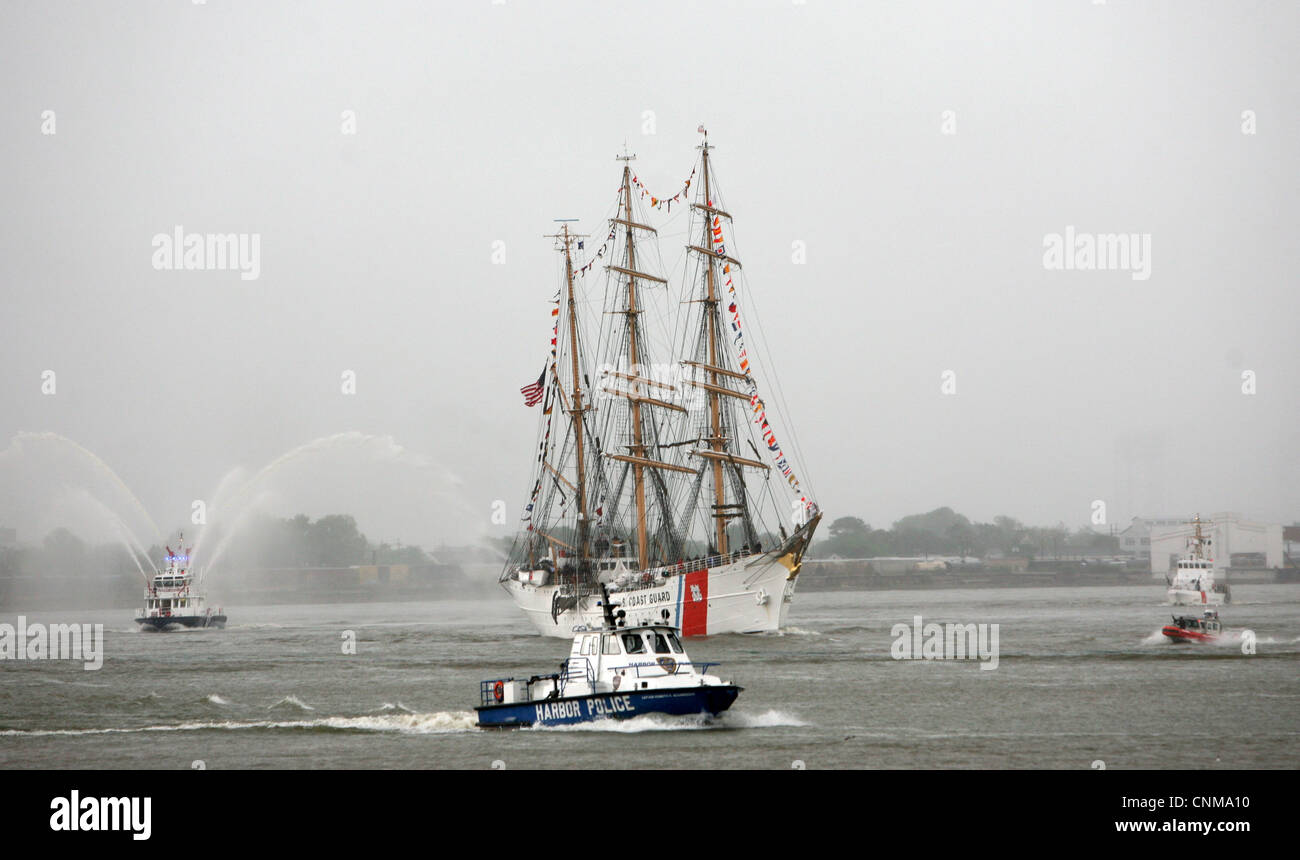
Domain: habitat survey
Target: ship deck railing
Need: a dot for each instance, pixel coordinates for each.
(666, 570)
(486, 690)
(577, 669)
(702, 668)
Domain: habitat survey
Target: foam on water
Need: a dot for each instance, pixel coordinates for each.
(665, 723)
(441, 722)
(216, 700)
(635, 725)
(767, 720)
(291, 702)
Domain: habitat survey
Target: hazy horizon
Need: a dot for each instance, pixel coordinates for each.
(480, 123)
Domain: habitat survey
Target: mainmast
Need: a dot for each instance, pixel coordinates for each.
(1198, 541)
(634, 367)
(639, 454)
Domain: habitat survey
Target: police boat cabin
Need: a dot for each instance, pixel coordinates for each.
(612, 672)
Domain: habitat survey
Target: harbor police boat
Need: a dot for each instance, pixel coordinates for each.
(173, 599)
(612, 672)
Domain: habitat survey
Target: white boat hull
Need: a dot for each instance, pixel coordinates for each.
(1188, 597)
(748, 595)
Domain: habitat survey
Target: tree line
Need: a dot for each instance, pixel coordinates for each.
(946, 532)
(264, 542)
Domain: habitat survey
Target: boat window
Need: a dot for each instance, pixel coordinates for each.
(661, 644)
(633, 643)
(675, 643)
(610, 645)
(588, 645)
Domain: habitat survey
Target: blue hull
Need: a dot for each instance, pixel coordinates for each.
(567, 711)
(182, 621)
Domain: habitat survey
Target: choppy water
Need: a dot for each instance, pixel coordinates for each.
(1082, 676)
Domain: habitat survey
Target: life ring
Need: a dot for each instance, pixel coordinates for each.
(499, 691)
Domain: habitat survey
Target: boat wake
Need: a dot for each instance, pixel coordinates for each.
(788, 631)
(442, 722)
(695, 722)
(769, 719)
(636, 725)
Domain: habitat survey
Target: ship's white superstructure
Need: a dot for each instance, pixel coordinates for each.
(1193, 580)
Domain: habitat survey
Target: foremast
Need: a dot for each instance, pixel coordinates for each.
(719, 454)
(720, 367)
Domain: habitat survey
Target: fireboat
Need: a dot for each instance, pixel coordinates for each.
(173, 598)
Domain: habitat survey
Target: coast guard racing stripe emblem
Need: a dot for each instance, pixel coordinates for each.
(695, 604)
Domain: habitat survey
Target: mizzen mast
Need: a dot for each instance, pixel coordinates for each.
(576, 409)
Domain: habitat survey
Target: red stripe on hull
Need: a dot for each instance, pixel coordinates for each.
(1186, 635)
(695, 604)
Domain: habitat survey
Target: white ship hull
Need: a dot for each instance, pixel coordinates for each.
(1189, 597)
(748, 595)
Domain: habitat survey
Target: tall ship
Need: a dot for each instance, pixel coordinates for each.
(173, 598)
(658, 471)
(1193, 581)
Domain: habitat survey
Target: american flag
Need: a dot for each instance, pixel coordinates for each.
(532, 392)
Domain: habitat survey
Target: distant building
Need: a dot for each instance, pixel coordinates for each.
(1291, 537)
(1136, 538)
(1255, 544)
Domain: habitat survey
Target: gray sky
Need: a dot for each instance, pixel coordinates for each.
(478, 123)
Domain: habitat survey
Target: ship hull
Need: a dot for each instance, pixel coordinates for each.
(1189, 597)
(750, 595)
(690, 701)
(191, 621)
(1178, 634)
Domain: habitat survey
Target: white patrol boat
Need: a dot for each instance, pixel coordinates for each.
(613, 672)
(172, 598)
(1192, 583)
